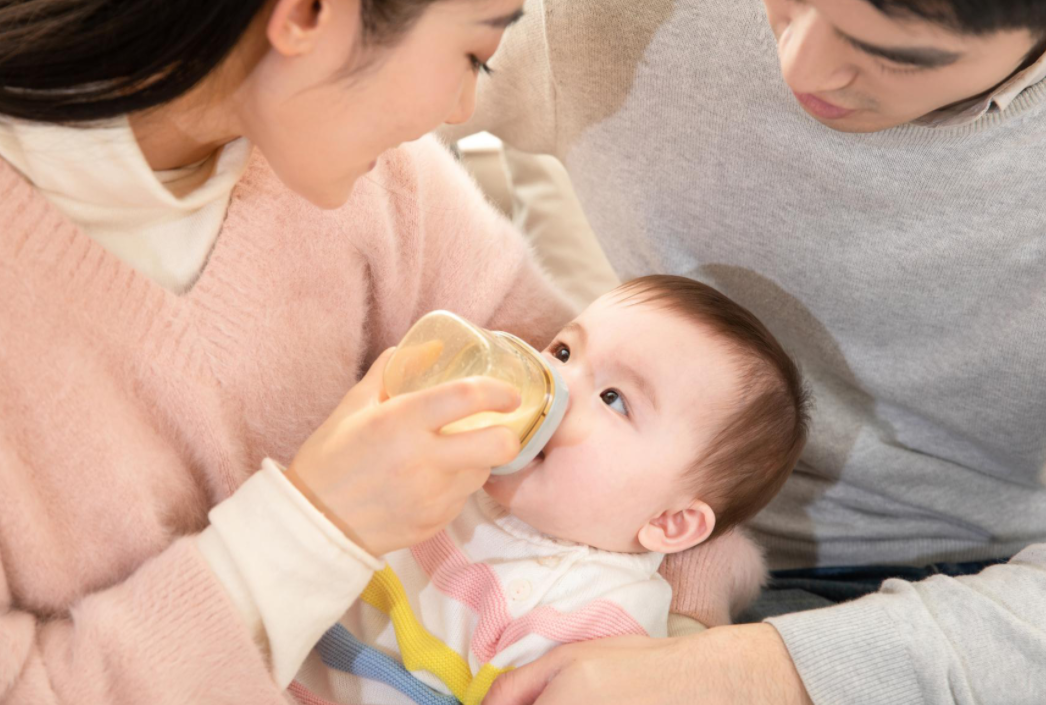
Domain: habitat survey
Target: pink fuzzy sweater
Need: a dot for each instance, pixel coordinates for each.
(127, 412)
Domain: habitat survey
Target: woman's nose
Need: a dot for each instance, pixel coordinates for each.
(813, 57)
(466, 102)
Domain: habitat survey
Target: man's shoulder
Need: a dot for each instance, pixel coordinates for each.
(587, 25)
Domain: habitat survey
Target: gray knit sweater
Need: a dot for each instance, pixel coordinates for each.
(906, 270)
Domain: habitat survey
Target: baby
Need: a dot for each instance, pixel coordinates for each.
(685, 418)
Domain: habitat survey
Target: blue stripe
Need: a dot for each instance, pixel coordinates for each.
(342, 651)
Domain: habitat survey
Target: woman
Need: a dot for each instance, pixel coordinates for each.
(179, 311)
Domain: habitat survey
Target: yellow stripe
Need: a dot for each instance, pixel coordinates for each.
(420, 650)
(479, 686)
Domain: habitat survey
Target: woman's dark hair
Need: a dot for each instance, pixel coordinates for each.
(972, 16)
(67, 61)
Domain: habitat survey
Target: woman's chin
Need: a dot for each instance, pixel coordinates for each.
(331, 194)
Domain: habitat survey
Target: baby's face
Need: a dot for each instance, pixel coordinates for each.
(648, 391)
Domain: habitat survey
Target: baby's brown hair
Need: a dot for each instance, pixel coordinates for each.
(751, 456)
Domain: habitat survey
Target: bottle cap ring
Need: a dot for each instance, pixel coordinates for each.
(555, 408)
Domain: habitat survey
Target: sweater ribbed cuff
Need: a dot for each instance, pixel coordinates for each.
(853, 653)
(292, 570)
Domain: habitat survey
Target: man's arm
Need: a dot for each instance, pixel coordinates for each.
(980, 639)
(746, 665)
(960, 641)
(567, 65)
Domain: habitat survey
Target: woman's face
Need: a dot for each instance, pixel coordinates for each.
(322, 108)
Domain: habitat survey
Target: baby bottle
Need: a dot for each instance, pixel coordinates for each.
(442, 347)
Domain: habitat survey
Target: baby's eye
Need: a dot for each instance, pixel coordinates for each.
(615, 401)
(561, 352)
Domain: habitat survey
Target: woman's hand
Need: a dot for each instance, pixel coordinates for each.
(738, 665)
(382, 472)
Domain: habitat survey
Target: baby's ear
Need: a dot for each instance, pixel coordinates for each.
(675, 531)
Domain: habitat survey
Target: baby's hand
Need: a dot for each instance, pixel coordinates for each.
(382, 472)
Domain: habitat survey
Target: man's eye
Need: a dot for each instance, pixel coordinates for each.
(613, 399)
(887, 66)
(561, 352)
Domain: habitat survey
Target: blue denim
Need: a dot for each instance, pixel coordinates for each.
(811, 588)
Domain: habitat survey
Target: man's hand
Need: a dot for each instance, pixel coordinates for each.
(746, 665)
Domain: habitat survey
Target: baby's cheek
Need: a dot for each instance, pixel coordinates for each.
(555, 490)
(577, 429)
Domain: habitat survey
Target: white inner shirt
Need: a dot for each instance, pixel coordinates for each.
(163, 223)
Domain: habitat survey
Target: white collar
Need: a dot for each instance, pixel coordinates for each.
(998, 98)
(98, 170)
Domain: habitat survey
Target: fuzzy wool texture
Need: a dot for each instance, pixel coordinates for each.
(716, 581)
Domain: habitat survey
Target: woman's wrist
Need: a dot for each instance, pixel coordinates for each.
(303, 487)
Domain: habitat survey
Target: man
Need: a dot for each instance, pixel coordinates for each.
(880, 209)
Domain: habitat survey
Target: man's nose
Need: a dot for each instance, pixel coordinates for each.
(814, 59)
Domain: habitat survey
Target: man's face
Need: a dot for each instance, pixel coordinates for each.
(855, 69)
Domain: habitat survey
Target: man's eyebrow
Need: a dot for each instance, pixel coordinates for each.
(504, 21)
(923, 57)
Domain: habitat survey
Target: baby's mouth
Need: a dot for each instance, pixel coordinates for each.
(538, 460)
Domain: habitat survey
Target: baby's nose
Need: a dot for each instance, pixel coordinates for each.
(564, 391)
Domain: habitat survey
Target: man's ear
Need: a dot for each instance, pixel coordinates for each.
(295, 25)
(675, 531)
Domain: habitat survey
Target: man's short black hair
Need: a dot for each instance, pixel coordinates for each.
(972, 16)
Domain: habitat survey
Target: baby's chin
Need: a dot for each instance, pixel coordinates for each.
(527, 496)
(515, 493)
(503, 488)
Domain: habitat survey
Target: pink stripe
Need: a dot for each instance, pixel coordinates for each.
(596, 620)
(476, 586)
(305, 696)
(439, 556)
(472, 584)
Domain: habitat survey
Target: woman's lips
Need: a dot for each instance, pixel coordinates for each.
(821, 108)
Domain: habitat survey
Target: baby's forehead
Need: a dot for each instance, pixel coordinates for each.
(680, 356)
(618, 310)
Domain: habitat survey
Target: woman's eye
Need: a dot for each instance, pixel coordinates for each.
(615, 401)
(561, 352)
(478, 65)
